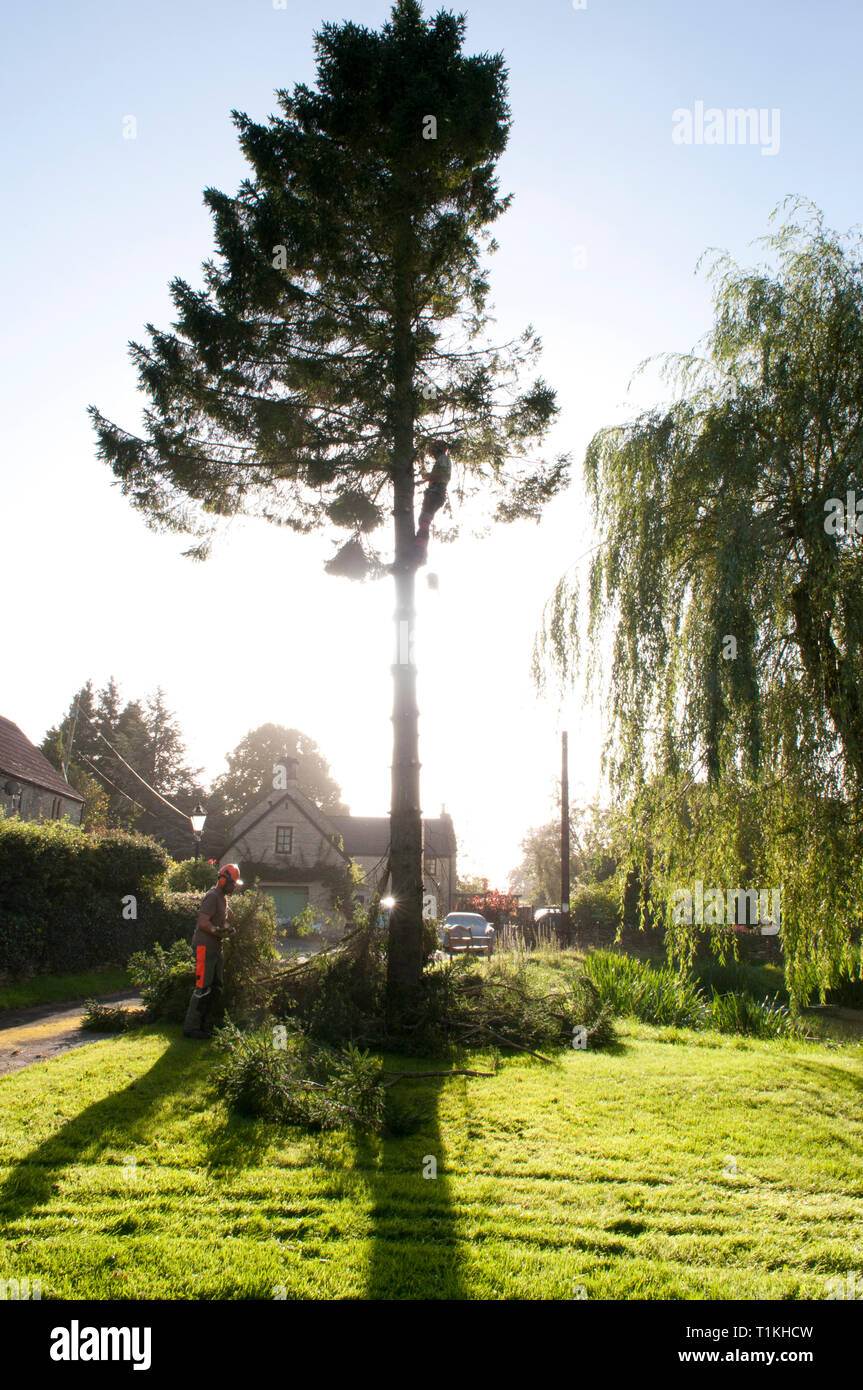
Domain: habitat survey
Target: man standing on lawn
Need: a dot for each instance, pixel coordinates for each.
(213, 917)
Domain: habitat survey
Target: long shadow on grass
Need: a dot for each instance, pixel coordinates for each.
(837, 1078)
(414, 1243)
(238, 1142)
(120, 1120)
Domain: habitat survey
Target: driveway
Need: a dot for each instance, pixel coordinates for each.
(46, 1030)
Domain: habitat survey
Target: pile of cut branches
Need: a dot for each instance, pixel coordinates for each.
(340, 995)
(108, 1018)
(507, 1006)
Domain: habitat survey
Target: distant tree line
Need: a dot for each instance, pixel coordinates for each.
(107, 741)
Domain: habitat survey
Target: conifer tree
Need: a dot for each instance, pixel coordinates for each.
(166, 769)
(342, 328)
(70, 746)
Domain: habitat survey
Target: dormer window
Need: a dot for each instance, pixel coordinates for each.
(284, 839)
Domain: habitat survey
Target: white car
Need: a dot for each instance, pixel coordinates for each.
(479, 928)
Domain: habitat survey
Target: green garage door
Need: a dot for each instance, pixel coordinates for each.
(288, 902)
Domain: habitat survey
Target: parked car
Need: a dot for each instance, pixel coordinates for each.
(477, 924)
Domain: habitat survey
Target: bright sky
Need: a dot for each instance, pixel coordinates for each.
(597, 252)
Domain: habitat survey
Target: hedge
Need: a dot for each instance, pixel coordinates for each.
(59, 862)
(62, 893)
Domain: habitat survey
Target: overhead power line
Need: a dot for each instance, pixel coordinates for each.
(103, 777)
(141, 779)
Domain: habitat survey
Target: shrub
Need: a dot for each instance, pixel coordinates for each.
(191, 875)
(737, 977)
(431, 943)
(298, 1083)
(90, 932)
(847, 993)
(63, 897)
(22, 944)
(662, 996)
(167, 918)
(595, 905)
(106, 1018)
(165, 980)
(251, 954)
(54, 862)
(758, 1018)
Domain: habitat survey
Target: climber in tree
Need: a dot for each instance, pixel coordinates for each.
(435, 495)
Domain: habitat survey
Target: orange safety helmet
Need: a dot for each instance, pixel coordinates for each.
(231, 871)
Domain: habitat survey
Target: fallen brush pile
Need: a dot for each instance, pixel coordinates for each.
(340, 995)
(302, 1055)
(112, 1018)
(301, 1071)
(274, 1073)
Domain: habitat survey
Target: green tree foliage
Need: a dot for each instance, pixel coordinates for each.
(340, 329)
(471, 884)
(146, 736)
(731, 604)
(255, 771)
(537, 878)
(65, 744)
(166, 751)
(593, 856)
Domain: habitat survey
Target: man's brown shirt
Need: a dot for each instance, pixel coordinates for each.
(215, 906)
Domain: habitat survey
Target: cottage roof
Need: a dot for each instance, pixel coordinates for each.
(22, 759)
(312, 813)
(367, 835)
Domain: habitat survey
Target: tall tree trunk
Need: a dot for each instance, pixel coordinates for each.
(404, 956)
(404, 961)
(830, 673)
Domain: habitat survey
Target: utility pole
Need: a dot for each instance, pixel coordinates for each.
(564, 835)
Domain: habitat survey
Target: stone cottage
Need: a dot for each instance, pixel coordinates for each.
(366, 839)
(29, 786)
(302, 857)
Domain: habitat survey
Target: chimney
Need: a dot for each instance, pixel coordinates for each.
(291, 764)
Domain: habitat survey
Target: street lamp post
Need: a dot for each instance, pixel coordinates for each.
(198, 817)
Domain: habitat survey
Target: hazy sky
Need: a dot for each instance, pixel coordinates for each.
(598, 252)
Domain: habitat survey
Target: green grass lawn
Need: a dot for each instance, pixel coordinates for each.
(60, 989)
(675, 1166)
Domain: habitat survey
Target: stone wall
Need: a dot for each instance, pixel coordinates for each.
(38, 803)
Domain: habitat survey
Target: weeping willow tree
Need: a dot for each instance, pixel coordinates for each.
(725, 604)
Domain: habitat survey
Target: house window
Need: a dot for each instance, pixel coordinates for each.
(284, 839)
(431, 865)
